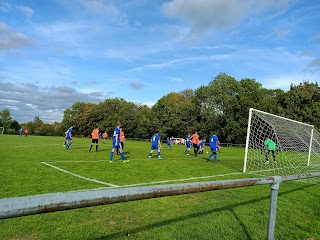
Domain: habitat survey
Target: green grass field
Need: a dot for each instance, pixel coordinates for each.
(38, 165)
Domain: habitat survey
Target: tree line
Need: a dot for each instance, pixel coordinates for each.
(221, 106)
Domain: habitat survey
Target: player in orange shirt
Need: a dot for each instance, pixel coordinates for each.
(95, 138)
(195, 140)
(26, 131)
(122, 140)
(104, 135)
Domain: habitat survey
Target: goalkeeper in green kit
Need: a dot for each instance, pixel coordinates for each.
(270, 146)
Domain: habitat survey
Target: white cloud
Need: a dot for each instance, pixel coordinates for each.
(176, 79)
(205, 15)
(10, 39)
(7, 7)
(106, 9)
(65, 32)
(31, 106)
(4, 6)
(29, 100)
(27, 11)
(136, 85)
(313, 66)
(181, 62)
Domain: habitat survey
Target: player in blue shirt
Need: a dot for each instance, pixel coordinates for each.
(202, 145)
(20, 132)
(116, 144)
(68, 141)
(188, 144)
(213, 147)
(155, 145)
(169, 143)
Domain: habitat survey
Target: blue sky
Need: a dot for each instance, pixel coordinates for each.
(54, 53)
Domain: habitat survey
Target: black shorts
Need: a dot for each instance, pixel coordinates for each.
(95, 141)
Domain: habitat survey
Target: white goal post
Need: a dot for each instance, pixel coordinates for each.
(1, 130)
(278, 145)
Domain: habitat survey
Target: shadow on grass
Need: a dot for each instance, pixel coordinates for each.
(229, 208)
(223, 162)
(230, 165)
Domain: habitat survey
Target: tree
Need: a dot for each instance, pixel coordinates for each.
(146, 123)
(37, 120)
(225, 90)
(188, 93)
(302, 103)
(5, 119)
(175, 115)
(76, 116)
(208, 114)
(112, 110)
(224, 105)
(15, 126)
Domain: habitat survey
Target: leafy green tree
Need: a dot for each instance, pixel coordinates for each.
(112, 110)
(302, 103)
(5, 119)
(146, 123)
(45, 129)
(15, 126)
(37, 125)
(85, 117)
(225, 93)
(271, 101)
(208, 116)
(37, 120)
(58, 129)
(224, 105)
(71, 118)
(188, 93)
(175, 115)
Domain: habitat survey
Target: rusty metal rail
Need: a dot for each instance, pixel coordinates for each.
(21, 206)
(29, 205)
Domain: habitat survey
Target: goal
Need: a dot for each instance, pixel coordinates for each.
(296, 145)
(1, 130)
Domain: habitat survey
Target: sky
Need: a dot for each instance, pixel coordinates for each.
(55, 53)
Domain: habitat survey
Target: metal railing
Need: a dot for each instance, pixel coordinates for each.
(29, 205)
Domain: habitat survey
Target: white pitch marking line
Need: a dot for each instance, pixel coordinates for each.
(164, 181)
(80, 161)
(79, 176)
(178, 180)
(132, 185)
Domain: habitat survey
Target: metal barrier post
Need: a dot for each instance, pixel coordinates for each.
(273, 207)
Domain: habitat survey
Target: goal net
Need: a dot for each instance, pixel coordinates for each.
(1, 130)
(280, 146)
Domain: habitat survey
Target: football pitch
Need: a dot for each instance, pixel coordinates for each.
(37, 165)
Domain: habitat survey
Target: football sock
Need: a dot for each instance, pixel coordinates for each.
(122, 156)
(111, 156)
